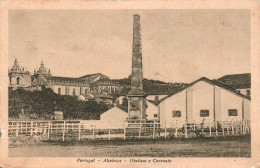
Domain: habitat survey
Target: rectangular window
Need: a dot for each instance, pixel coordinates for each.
(232, 112)
(155, 115)
(204, 113)
(176, 114)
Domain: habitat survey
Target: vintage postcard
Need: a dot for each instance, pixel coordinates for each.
(130, 84)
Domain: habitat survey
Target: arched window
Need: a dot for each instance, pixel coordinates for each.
(74, 91)
(18, 81)
(59, 90)
(67, 91)
(10, 80)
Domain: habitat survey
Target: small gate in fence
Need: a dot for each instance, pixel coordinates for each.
(82, 129)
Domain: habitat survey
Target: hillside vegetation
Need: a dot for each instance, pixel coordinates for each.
(152, 87)
(42, 105)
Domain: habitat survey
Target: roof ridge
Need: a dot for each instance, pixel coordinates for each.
(209, 80)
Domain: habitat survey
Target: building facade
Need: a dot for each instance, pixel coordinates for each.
(204, 100)
(19, 77)
(89, 86)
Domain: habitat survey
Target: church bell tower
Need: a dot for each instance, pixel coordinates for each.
(136, 96)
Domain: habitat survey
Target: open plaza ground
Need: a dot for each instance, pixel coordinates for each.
(229, 146)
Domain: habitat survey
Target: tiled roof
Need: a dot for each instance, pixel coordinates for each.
(153, 102)
(237, 81)
(163, 89)
(107, 80)
(64, 79)
(39, 80)
(94, 75)
(60, 78)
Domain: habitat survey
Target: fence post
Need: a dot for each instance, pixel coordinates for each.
(237, 126)
(228, 127)
(124, 131)
(232, 127)
(93, 135)
(210, 128)
(67, 127)
(9, 125)
(140, 130)
(249, 128)
(51, 128)
(176, 129)
(244, 124)
(79, 129)
(241, 127)
(216, 128)
(153, 129)
(36, 125)
(40, 129)
(186, 130)
(202, 127)
(44, 129)
(223, 128)
(48, 129)
(21, 128)
(194, 126)
(31, 128)
(109, 130)
(165, 129)
(63, 133)
(25, 126)
(16, 134)
(13, 131)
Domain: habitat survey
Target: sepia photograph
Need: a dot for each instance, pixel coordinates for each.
(115, 83)
(137, 86)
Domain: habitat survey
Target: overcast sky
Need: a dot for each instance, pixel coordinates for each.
(178, 45)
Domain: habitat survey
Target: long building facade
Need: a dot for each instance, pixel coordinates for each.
(204, 100)
(93, 85)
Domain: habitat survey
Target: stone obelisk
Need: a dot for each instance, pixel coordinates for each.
(136, 96)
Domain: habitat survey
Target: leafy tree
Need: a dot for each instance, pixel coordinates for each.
(44, 103)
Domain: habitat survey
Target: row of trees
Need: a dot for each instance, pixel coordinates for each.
(44, 103)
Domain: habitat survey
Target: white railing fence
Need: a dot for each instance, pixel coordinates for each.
(96, 129)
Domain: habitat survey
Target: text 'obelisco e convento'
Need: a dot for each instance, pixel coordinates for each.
(136, 96)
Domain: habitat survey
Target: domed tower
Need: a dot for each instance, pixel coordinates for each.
(18, 77)
(42, 70)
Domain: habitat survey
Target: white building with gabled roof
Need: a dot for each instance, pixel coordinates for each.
(204, 99)
(114, 115)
